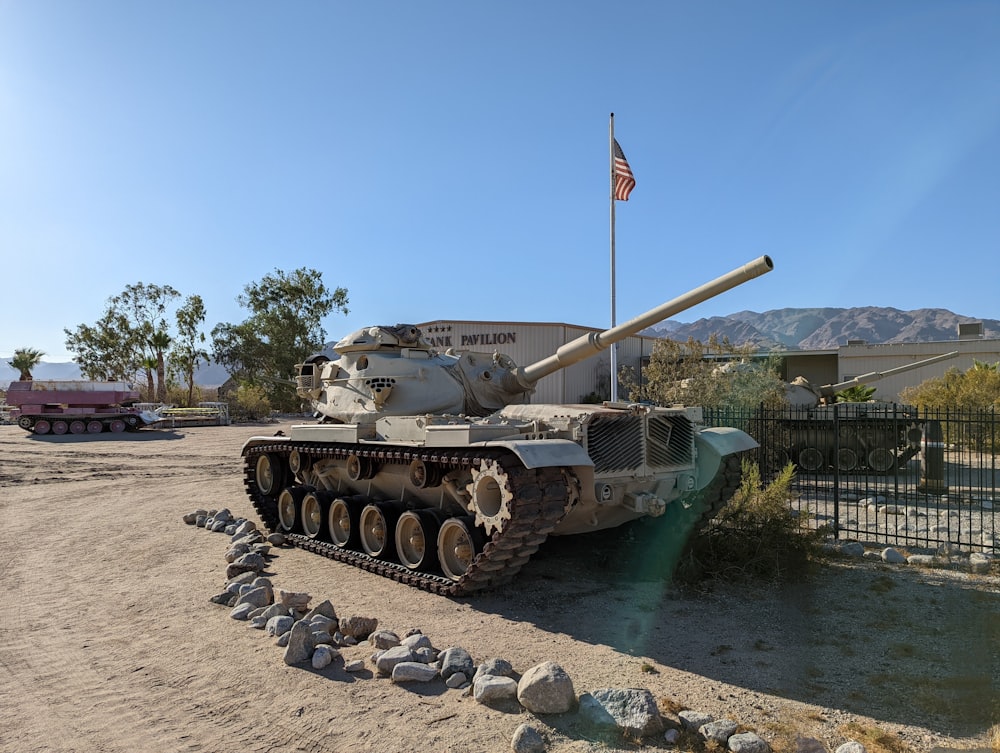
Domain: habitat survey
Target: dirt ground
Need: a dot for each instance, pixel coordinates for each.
(108, 641)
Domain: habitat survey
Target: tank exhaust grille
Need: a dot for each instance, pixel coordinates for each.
(670, 441)
(626, 443)
(614, 442)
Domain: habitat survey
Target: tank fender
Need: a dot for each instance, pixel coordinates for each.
(715, 443)
(560, 453)
(258, 441)
(543, 453)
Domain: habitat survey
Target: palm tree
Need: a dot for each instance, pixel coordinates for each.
(159, 342)
(148, 364)
(24, 360)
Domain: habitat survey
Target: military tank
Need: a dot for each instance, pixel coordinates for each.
(432, 468)
(822, 434)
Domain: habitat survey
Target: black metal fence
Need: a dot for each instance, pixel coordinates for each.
(885, 474)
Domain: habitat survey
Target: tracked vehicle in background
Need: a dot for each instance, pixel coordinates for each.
(822, 434)
(433, 469)
(77, 407)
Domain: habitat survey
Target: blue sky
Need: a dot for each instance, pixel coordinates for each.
(449, 160)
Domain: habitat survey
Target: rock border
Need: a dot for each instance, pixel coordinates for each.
(313, 636)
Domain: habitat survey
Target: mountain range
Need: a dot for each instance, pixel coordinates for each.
(210, 375)
(826, 328)
(778, 329)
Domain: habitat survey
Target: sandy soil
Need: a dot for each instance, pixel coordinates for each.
(108, 641)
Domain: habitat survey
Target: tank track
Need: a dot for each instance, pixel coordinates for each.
(541, 497)
(720, 490)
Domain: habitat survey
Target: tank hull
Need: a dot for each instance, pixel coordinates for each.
(455, 506)
(851, 438)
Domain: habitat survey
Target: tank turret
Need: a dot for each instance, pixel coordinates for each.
(431, 467)
(392, 371)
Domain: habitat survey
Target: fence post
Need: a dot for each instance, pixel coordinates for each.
(932, 468)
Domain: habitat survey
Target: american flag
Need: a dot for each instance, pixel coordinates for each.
(624, 180)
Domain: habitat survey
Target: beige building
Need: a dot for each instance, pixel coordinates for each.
(527, 342)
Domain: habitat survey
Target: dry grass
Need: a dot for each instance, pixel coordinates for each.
(874, 739)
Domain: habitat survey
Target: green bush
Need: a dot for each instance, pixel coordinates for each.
(756, 536)
(249, 403)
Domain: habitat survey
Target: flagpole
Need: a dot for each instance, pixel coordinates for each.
(611, 173)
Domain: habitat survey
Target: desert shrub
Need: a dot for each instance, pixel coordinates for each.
(249, 403)
(755, 536)
(178, 395)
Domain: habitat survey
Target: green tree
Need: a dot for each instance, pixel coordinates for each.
(978, 388)
(187, 352)
(684, 373)
(283, 329)
(24, 360)
(114, 348)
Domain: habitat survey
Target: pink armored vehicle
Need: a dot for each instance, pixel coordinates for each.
(77, 407)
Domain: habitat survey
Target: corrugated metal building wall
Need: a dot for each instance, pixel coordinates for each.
(527, 342)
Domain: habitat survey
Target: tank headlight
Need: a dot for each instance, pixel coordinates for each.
(605, 493)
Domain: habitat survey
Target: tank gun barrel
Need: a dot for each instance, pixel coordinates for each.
(594, 342)
(874, 376)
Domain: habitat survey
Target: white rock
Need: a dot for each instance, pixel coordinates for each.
(853, 746)
(457, 680)
(413, 671)
(719, 731)
(389, 658)
(748, 742)
(853, 549)
(693, 720)
(527, 739)
(892, 556)
(323, 656)
(489, 688)
(546, 689)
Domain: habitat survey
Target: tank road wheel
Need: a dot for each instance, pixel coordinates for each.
(290, 508)
(881, 459)
(423, 475)
(25, 423)
(117, 426)
(94, 427)
(359, 468)
(299, 461)
(811, 459)
(491, 496)
(343, 522)
(459, 541)
(416, 539)
(847, 459)
(269, 474)
(315, 511)
(60, 427)
(77, 427)
(42, 426)
(378, 528)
